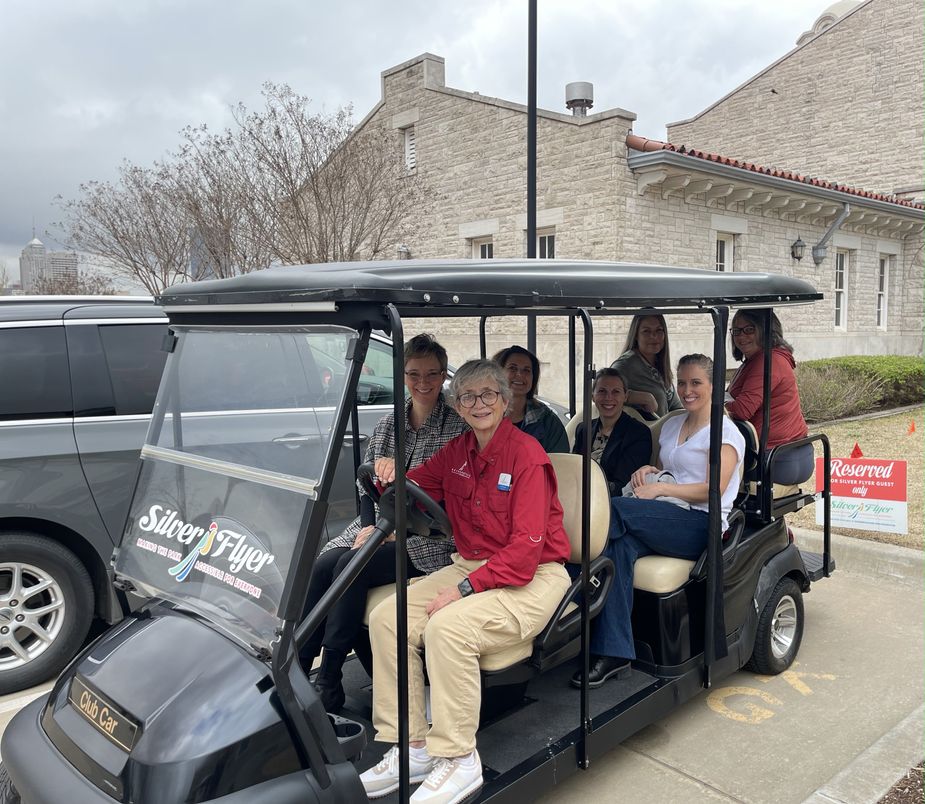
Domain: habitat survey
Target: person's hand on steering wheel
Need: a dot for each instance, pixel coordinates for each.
(385, 470)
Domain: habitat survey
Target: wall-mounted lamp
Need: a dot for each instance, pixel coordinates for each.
(797, 248)
(404, 252)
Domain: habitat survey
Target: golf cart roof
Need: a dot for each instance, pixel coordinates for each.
(467, 287)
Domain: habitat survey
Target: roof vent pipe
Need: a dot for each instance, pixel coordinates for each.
(579, 97)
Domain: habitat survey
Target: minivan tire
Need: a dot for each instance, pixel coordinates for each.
(8, 792)
(780, 629)
(66, 596)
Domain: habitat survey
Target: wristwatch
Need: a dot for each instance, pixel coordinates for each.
(465, 587)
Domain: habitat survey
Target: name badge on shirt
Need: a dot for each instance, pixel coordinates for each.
(504, 482)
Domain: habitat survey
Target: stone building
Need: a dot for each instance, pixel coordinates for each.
(847, 102)
(604, 193)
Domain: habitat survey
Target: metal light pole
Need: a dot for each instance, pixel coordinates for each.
(531, 156)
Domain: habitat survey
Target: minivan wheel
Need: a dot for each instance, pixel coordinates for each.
(46, 605)
(780, 629)
(8, 793)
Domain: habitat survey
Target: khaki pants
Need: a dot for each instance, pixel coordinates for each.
(454, 637)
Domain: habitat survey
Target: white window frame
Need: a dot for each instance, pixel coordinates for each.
(545, 240)
(725, 243)
(842, 268)
(410, 148)
(884, 269)
(482, 248)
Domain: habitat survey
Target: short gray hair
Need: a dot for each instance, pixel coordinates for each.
(473, 370)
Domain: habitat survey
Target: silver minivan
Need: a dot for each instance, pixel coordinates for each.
(78, 378)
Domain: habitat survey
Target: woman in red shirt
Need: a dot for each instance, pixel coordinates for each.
(504, 584)
(786, 422)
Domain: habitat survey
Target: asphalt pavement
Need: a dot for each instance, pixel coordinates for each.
(843, 724)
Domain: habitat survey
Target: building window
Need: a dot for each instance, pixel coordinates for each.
(483, 249)
(725, 251)
(546, 246)
(883, 278)
(411, 157)
(841, 288)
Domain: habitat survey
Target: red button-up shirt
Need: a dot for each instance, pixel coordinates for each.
(517, 528)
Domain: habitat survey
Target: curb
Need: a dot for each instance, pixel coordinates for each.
(877, 414)
(867, 778)
(899, 564)
(874, 771)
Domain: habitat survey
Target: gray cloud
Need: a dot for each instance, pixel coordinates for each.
(85, 84)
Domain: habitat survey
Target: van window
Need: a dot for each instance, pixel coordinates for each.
(33, 370)
(136, 361)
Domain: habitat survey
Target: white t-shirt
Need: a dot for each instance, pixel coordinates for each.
(690, 462)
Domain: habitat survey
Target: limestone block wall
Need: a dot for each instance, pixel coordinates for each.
(847, 106)
(471, 157)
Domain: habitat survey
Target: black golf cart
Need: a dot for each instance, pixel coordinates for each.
(199, 696)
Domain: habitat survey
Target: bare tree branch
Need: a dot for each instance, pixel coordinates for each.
(89, 282)
(283, 185)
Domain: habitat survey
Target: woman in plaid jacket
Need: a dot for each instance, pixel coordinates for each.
(429, 424)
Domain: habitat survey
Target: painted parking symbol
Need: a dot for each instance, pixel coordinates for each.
(746, 710)
(739, 704)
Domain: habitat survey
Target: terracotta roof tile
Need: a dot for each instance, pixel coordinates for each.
(638, 143)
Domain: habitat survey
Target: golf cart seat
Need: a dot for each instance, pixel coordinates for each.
(559, 641)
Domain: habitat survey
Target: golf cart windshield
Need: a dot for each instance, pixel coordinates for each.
(230, 471)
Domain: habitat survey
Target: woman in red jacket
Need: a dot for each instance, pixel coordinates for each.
(504, 584)
(787, 422)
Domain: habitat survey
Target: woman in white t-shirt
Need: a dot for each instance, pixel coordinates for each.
(644, 524)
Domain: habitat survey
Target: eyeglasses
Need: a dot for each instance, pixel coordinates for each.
(748, 329)
(430, 376)
(488, 398)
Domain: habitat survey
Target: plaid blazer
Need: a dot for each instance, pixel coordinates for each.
(443, 425)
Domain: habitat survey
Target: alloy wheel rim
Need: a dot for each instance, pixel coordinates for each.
(32, 612)
(783, 626)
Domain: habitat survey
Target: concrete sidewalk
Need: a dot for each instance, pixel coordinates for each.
(842, 725)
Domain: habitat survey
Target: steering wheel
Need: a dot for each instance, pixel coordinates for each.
(424, 513)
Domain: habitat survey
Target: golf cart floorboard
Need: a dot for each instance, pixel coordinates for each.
(548, 713)
(813, 564)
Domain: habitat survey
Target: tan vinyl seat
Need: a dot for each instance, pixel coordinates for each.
(568, 475)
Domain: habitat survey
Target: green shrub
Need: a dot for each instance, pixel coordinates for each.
(900, 378)
(830, 392)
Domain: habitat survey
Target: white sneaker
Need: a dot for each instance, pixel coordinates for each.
(383, 779)
(451, 781)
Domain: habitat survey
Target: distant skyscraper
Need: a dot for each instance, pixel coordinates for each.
(32, 263)
(62, 265)
(37, 265)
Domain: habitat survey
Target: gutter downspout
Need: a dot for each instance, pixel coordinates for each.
(820, 249)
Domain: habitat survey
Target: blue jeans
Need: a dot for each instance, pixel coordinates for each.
(641, 528)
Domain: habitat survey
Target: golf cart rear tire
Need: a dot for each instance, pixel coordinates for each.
(780, 630)
(71, 584)
(8, 793)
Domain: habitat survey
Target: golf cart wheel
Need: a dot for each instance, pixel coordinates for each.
(46, 605)
(780, 630)
(8, 793)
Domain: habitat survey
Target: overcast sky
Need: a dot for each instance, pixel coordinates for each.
(85, 84)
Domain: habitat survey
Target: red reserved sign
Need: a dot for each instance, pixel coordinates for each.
(865, 478)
